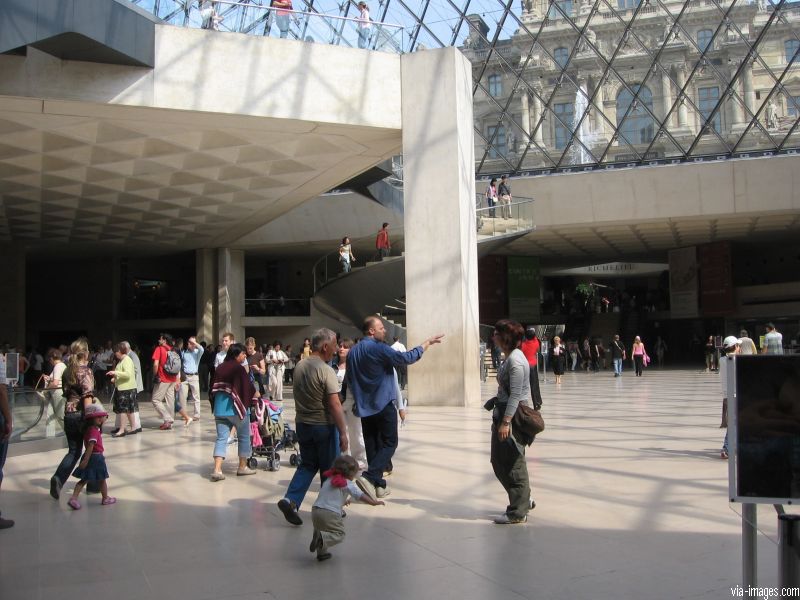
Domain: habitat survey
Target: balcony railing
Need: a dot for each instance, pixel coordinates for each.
(499, 220)
(277, 307)
(254, 19)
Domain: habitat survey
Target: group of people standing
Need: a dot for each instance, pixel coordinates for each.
(499, 194)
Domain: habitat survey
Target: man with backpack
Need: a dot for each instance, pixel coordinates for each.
(167, 369)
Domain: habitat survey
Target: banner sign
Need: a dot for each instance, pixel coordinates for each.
(523, 288)
(683, 289)
(716, 279)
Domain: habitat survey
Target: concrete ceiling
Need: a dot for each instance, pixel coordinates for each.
(84, 179)
(87, 177)
(651, 240)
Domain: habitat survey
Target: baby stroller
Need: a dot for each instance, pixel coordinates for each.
(270, 434)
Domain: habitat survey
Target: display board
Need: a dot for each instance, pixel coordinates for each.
(764, 429)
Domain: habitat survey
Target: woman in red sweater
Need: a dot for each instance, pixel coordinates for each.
(530, 348)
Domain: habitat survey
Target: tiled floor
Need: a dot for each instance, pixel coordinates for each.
(630, 491)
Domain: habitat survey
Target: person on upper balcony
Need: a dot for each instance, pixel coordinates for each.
(504, 189)
(364, 25)
(282, 15)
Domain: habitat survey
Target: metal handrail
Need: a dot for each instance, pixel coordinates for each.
(328, 267)
(13, 393)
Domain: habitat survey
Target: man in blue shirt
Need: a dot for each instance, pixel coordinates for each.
(190, 388)
(372, 382)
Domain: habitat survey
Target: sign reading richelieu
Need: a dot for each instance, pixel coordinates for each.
(523, 288)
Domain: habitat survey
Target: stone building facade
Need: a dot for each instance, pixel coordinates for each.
(582, 83)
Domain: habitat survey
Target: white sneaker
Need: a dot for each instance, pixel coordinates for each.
(366, 486)
(382, 492)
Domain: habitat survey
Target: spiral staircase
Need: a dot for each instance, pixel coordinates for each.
(375, 286)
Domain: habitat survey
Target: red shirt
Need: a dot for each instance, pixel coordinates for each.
(93, 435)
(160, 355)
(382, 241)
(530, 348)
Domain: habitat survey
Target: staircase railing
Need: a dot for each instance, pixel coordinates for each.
(28, 407)
(330, 267)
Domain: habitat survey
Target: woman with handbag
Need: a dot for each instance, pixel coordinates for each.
(231, 396)
(507, 453)
(639, 355)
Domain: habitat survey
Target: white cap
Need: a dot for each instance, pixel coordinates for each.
(731, 341)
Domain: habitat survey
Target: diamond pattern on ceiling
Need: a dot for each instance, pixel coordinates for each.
(77, 179)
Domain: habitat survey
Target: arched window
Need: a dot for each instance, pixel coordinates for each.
(495, 86)
(790, 49)
(704, 39)
(638, 127)
(561, 55)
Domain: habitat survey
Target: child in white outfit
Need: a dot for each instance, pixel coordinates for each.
(327, 514)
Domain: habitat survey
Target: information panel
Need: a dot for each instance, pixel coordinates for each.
(764, 429)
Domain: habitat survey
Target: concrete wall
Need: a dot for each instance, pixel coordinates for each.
(226, 73)
(329, 217)
(728, 187)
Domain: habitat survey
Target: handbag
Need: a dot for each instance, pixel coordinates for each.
(528, 422)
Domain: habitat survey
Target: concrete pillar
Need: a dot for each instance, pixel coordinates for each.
(749, 94)
(682, 114)
(230, 292)
(12, 296)
(441, 259)
(206, 294)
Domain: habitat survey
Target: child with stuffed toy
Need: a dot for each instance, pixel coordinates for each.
(327, 514)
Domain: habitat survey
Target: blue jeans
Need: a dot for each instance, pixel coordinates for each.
(73, 431)
(319, 447)
(224, 426)
(3, 446)
(283, 24)
(363, 37)
(380, 440)
(618, 366)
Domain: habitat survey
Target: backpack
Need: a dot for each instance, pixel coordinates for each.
(172, 365)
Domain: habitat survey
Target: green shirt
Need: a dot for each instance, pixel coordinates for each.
(126, 374)
(313, 381)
